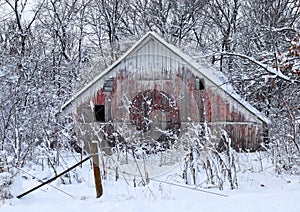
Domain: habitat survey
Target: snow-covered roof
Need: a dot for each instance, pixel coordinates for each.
(209, 72)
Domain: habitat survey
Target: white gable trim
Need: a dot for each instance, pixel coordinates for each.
(85, 88)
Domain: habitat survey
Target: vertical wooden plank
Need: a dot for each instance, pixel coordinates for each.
(98, 184)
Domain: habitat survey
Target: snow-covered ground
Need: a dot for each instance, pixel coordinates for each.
(258, 191)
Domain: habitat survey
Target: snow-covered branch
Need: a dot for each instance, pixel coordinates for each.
(267, 68)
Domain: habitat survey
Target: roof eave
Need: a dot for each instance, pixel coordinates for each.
(189, 60)
(98, 77)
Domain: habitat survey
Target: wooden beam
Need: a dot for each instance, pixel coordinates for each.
(97, 176)
(53, 178)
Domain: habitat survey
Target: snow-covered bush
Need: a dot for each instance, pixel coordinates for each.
(285, 156)
(219, 166)
(284, 141)
(6, 177)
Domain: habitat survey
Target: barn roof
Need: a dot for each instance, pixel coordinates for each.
(208, 72)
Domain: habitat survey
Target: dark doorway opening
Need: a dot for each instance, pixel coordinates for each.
(100, 113)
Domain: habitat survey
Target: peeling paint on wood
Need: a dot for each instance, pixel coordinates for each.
(155, 86)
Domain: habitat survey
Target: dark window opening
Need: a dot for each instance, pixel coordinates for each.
(199, 84)
(100, 113)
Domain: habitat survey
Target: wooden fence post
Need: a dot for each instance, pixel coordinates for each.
(97, 176)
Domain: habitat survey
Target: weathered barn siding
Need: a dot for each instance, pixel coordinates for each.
(153, 88)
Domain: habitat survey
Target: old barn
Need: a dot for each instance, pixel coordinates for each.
(155, 94)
